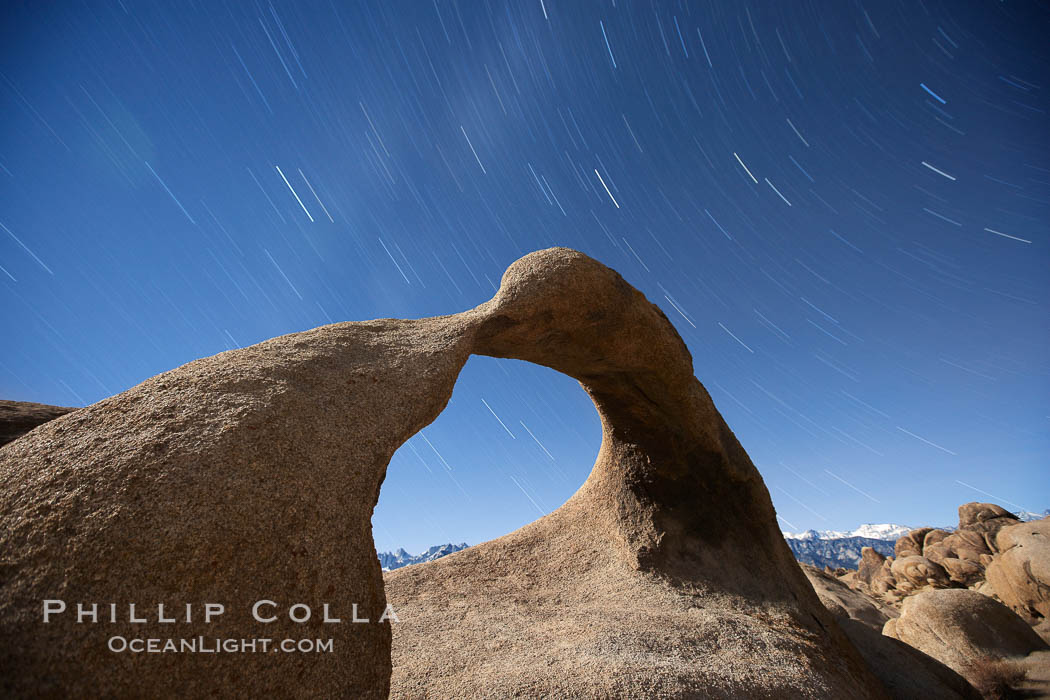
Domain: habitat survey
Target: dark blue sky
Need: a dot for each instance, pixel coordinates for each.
(842, 206)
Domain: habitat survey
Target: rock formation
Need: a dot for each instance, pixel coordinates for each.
(247, 476)
(905, 671)
(910, 545)
(1020, 574)
(636, 586)
(960, 627)
(992, 554)
(19, 417)
(969, 549)
(252, 475)
(929, 558)
(869, 566)
(915, 571)
(844, 602)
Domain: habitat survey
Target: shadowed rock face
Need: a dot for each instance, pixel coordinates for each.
(906, 672)
(253, 474)
(19, 417)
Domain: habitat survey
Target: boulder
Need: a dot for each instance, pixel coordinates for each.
(985, 588)
(906, 672)
(883, 580)
(890, 628)
(846, 603)
(968, 545)
(985, 520)
(870, 564)
(19, 417)
(1042, 628)
(973, 541)
(959, 626)
(972, 515)
(933, 537)
(913, 572)
(933, 547)
(1020, 573)
(252, 476)
(963, 554)
(910, 545)
(962, 571)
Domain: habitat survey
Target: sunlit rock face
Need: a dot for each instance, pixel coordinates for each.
(252, 475)
(1020, 573)
(247, 476)
(959, 627)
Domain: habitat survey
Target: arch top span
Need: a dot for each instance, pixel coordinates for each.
(666, 450)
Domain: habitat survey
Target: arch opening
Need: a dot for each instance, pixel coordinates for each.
(515, 441)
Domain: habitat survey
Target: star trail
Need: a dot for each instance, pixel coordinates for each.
(842, 206)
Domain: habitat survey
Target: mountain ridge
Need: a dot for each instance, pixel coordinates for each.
(875, 531)
(820, 548)
(395, 560)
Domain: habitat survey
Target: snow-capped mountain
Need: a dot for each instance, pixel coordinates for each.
(881, 531)
(837, 548)
(838, 552)
(834, 548)
(889, 531)
(395, 560)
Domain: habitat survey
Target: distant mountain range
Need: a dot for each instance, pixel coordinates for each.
(395, 560)
(836, 552)
(885, 531)
(834, 548)
(842, 549)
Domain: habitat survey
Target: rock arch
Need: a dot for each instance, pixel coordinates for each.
(253, 474)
